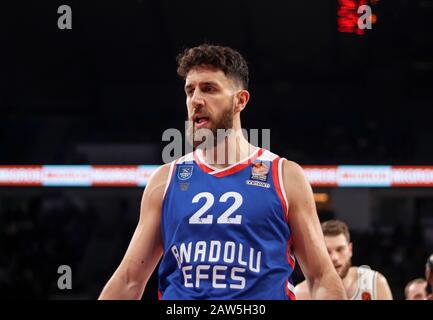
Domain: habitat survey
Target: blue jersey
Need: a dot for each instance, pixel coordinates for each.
(225, 231)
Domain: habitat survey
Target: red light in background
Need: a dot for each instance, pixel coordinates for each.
(347, 16)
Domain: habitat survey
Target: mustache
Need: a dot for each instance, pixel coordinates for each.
(199, 113)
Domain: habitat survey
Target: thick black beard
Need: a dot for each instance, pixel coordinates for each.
(225, 122)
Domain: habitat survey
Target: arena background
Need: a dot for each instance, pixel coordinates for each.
(103, 92)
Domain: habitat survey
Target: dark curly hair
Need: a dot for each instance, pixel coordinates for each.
(225, 59)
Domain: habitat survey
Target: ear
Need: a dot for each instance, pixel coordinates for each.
(241, 100)
(351, 249)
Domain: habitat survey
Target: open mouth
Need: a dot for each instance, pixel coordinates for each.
(200, 122)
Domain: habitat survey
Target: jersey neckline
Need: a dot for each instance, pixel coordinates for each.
(223, 172)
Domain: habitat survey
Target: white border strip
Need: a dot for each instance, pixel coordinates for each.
(138, 176)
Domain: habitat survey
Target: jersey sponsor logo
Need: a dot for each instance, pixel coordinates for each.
(366, 296)
(257, 183)
(260, 170)
(185, 172)
(223, 265)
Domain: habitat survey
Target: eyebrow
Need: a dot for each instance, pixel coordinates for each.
(213, 83)
(187, 87)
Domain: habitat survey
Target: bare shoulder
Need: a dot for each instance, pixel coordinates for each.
(161, 174)
(295, 181)
(292, 168)
(380, 278)
(383, 289)
(154, 191)
(293, 174)
(302, 291)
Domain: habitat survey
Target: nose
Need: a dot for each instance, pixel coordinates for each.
(197, 99)
(334, 257)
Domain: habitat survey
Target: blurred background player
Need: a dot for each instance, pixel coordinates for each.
(361, 283)
(429, 276)
(416, 289)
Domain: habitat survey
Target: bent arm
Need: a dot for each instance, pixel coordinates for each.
(145, 249)
(308, 241)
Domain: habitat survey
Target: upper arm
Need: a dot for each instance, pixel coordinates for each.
(146, 248)
(308, 240)
(383, 291)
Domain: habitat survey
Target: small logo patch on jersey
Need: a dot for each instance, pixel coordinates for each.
(183, 186)
(260, 170)
(366, 296)
(258, 183)
(185, 172)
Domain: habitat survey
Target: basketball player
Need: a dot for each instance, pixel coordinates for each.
(416, 289)
(429, 276)
(224, 231)
(361, 283)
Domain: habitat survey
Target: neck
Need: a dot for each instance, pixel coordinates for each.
(230, 150)
(350, 281)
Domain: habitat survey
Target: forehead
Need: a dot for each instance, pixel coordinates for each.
(419, 286)
(336, 241)
(201, 74)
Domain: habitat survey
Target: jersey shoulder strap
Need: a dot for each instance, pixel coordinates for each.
(367, 283)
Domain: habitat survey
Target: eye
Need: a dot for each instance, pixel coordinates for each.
(208, 89)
